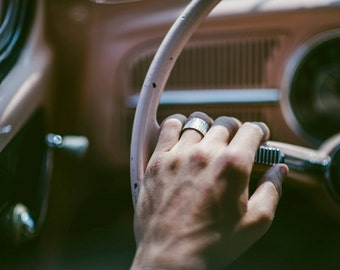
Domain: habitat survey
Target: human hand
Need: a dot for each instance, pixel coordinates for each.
(194, 210)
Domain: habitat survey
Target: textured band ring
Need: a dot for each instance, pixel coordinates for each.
(197, 124)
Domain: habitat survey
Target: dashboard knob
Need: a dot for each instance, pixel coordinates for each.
(16, 224)
(74, 145)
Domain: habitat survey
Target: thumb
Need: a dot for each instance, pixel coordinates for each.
(263, 203)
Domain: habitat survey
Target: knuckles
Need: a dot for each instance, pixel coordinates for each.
(199, 158)
(172, 123)
(257, 128)
(174, 165)
(264, 219)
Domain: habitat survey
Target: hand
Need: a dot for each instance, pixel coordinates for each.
(194, 209)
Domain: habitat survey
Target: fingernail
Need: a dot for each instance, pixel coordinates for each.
(178, 117)
(264, 128)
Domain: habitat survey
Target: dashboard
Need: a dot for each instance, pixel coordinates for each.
(269, 61)
(79, 70)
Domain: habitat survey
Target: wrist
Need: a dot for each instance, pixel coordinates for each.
(150, 256)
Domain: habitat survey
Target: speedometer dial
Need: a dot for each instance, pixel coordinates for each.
(314, 89)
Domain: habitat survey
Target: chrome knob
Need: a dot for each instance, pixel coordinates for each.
(17, 225)
(74, 145)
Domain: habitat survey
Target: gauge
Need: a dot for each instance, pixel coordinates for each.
(327, 90)
(314, 89)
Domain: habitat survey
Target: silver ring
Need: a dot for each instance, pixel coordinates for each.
(197, 124)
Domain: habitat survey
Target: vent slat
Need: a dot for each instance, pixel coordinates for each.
(235, 64)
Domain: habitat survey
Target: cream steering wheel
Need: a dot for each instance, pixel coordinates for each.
(145, 127)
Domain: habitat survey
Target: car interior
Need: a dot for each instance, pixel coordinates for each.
(84, 85)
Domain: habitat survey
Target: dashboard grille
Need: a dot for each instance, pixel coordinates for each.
(238, 63)
(211, 64)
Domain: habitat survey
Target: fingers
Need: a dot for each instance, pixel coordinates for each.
(192, 136)
(274, 178)
(170, 132)
(263, 203)
(222, 130)
(261, 206)
(246, 142)
(250, 135)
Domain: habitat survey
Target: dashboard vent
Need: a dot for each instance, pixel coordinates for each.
(239, 63)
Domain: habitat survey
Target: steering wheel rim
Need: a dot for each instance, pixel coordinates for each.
(145, 126)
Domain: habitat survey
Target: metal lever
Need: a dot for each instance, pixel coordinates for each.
(73, 145)
(269, 156)
(324, 162)
(17, 224)
(297, 158)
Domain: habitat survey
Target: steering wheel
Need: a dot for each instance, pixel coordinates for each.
(315, 163)
(145, 126)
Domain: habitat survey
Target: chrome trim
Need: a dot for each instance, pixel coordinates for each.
(211, 96)
(293, 63)
(268, 156)
(297, 158)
